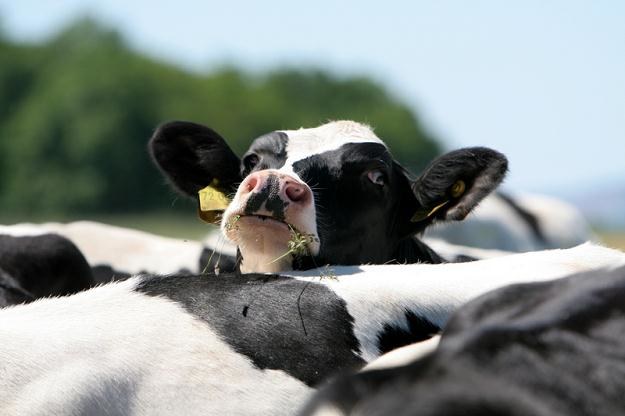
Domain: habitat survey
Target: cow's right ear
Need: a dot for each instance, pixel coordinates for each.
(454, 183)
(193, 156)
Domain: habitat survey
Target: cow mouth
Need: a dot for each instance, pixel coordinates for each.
(240, 227)
(256, 220)
(270, 244)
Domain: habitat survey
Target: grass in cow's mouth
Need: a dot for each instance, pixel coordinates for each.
(328, 273)
(231, 224)
(297, 244)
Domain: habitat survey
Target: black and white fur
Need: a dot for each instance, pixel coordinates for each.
(237, 344)
(353, 200)
(35, 266)
(11, 292)
(116, 253)
(532, 349)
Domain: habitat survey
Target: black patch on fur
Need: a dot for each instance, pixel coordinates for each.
(549, 348)
(259, 317)
(463, 258)
(419, 329)
(103, 273)
(270, 196)
(209, 260)
(530, 219)
(11, 293)
(45, 265)
(358, 221)
(268, 152)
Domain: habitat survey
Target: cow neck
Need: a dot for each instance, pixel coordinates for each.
(413, 250)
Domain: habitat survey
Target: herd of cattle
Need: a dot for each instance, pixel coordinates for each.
(331, 289)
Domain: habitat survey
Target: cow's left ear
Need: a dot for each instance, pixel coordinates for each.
(453, 184)
(199, 163)
(192, 156)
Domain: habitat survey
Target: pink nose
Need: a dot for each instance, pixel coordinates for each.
(287, 187)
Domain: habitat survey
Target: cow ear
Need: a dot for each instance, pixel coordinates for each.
(192, 157)
(453, 184)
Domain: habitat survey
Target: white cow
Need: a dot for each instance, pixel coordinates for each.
(238, 344)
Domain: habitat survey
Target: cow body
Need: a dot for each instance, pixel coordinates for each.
(42, 265)
(519, 223)
(116, 253)
(237, 344)
(113, 351)
(534, 349)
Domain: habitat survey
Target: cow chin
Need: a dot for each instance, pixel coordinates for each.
(264, 242)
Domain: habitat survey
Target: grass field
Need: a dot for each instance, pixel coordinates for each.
(613, 239)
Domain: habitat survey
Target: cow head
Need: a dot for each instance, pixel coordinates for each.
(326, 195)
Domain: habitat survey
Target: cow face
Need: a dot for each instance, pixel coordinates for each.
(326, 195)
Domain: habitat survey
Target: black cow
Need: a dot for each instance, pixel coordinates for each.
(327, 195)
(36, 266)
(551, 348)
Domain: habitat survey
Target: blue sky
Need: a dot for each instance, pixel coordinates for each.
(541, 81)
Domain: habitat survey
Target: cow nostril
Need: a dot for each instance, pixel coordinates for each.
(251, 183)
(295, 192)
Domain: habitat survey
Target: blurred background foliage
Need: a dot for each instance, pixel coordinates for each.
(76, 113)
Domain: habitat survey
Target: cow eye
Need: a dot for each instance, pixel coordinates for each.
(377, 177)
(250, 161)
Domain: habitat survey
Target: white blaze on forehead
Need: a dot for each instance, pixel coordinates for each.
(331, 136)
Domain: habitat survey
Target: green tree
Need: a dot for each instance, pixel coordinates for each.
(77, 110)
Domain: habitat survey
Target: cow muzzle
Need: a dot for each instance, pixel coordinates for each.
(270, 210)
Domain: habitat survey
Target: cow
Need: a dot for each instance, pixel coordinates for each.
(518, 223)
(299, 199)
(238, 343)
(528, 349)
(41, 265)
(11, 292)
(116, 253)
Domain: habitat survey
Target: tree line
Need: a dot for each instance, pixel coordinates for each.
(76, 112)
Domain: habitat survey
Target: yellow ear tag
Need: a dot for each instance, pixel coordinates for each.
(211, 199)
(458, 188)
(212, 202)
(422, 215)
